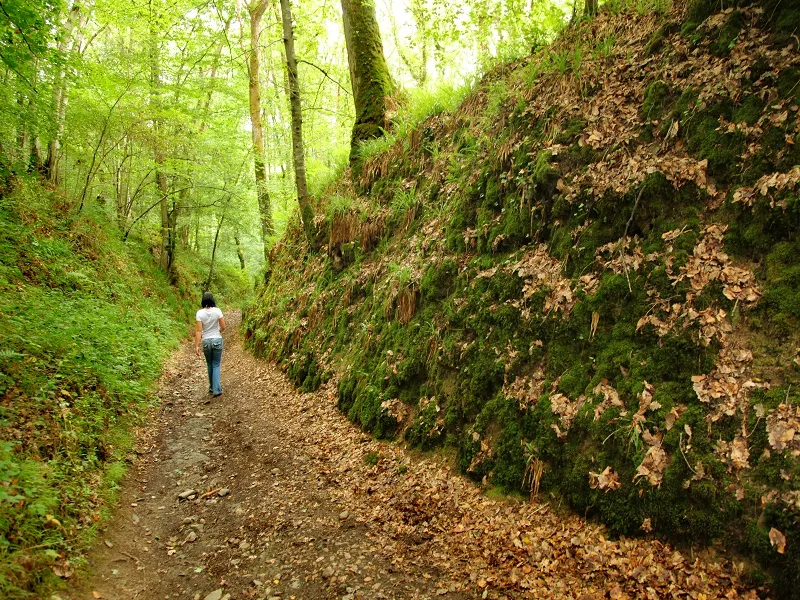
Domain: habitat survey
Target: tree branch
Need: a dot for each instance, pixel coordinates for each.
(325, 73)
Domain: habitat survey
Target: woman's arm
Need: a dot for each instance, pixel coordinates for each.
(198, 335)
(222, 324)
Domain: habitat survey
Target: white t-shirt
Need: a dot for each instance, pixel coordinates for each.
(210, 317)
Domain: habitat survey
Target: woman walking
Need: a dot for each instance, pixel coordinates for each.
(210, 325)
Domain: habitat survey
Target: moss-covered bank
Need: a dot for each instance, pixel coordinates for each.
(584, 281)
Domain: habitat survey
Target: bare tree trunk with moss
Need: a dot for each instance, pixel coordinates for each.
(298, 155)
(256, 12)
(369, 73)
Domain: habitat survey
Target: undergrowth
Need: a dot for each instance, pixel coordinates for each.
(88, 322)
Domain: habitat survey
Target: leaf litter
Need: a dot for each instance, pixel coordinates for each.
(313, 508)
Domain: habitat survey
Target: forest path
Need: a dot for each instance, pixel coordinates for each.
(292, 501)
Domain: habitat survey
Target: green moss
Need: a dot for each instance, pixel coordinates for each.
(788, 84)
(437, 281)
(657, 96)
(700, 10)
(784, 568)
(306, 373)
(427, 432)
(754, 231)
(749, 110)
(569, 133)
(469, 337)
(783, 20)
(509, 461)
(728, 34)
(722, 149)
(576, 156)
(781, 301)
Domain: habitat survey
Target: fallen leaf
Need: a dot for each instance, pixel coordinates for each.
(778, 540)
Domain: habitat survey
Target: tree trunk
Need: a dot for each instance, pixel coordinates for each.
(167, 246)
(256, 11)
(239, 251)
(590, 8)
(212, 79)
(369, 73)
(419, 71)
(76, 19)
(298, 155)
(207, 284)
(37, 163)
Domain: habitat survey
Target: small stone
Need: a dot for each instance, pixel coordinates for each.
(295, 585)
(215, 595)
(258, 582)
(186, 493)
(188, 520)
(276, 471)
(108, 543)
(244, 545)
(226, 597)
(198, 527)
(135, 518)
(344, 515)
(327, 572)
(223, 492)
(191, 537)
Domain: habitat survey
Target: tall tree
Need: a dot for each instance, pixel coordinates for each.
(162, 186)
(256, 12)
(369, 73)
(68, 46)
(298, 154)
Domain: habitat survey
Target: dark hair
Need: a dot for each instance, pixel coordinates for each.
(208, 300)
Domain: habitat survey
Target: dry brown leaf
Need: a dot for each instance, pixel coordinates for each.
(778, 540)
(607, 480)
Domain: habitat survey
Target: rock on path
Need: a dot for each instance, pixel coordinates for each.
(269, 493)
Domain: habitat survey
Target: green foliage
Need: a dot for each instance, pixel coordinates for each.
(605, 47)
(421, 104)
(88, 322)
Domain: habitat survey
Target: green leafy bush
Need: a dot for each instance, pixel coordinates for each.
(88, 321)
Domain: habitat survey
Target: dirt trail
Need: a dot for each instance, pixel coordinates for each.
(291, 501)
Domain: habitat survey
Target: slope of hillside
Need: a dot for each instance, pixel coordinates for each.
(87, 322)
(585, 280)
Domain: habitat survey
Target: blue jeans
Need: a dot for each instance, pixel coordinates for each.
(212, 349)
